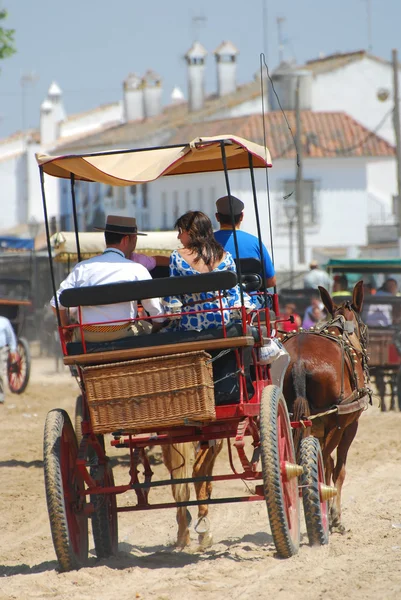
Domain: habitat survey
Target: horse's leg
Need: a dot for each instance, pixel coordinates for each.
(339, 474)
(203, 466)
(176, 458)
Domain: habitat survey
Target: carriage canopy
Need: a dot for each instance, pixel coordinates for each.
(130, 167)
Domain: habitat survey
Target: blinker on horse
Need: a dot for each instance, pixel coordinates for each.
(326, 381)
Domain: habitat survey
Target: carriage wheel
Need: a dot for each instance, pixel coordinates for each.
(19, 371)
(315, 508)
(64, 485)
(104, 519)
(279, 472)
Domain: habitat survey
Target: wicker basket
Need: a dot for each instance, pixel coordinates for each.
(150, 394)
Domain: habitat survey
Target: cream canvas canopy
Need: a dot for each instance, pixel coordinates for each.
(129, 167)
(92, 243)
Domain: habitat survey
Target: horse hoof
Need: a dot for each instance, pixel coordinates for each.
(202, 525)
(337, 529)
(205, 541)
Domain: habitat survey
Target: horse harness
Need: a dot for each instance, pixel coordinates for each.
(352, 351)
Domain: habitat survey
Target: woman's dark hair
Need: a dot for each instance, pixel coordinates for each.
(202, 241)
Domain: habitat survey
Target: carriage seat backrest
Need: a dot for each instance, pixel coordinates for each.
(114, 293)
(251, 269)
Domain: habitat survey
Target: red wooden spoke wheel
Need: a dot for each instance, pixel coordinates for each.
(312, 479)
(104, 517)
(279, 470)
(64, 487)
(18, 372)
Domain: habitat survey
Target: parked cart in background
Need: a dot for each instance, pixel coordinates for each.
(16, 303)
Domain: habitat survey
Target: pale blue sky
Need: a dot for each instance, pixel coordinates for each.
(89, 46)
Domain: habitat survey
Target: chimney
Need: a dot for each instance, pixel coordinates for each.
(226, 60)
(133, 98)
(177, 97)
(55, 96)
(152, 94)
(195, 58)
(48, 124)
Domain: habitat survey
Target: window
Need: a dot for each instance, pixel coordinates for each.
(310, 201)
(164, 210)
(200, 200)
(176, 208)
(212, 205)
(145, 196)
(187, 200)
(120, 197)
(134, 194)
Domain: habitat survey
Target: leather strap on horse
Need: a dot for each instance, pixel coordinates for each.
(358, 400)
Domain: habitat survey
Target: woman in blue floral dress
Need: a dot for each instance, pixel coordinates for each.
(201, 253)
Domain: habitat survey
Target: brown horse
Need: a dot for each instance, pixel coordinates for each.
(326, 377)
(178, 458)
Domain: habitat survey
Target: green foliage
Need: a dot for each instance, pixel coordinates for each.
(7, 47)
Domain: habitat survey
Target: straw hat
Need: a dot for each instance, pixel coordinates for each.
(123, 225)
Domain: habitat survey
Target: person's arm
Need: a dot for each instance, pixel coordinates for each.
(269, 269)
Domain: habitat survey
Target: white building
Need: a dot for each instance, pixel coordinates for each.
(349, 171)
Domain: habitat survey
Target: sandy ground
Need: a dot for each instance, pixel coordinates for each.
(362, 564)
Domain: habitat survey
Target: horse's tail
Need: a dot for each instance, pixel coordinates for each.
(301, 408)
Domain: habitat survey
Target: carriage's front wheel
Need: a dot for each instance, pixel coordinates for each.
(280, 471)
(64, 491)
(313, 483)
(20, 370)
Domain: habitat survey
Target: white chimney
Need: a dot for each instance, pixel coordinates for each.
(226, 59)
(48, 124)
(55, 96)
(177, 96)
(133, 98)
(152, 94)
(195, 58)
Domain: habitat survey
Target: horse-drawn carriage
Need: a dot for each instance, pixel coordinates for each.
(170, 389)
(16, 304)
(382, 314)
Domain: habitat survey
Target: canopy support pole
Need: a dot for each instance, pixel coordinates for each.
(49, 247)
(224, 159)
(75, 216)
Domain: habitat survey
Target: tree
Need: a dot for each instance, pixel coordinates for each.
(7, 47)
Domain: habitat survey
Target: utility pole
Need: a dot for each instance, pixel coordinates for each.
(265, 31)
(299, 178)
(280, 21)
(396, 121)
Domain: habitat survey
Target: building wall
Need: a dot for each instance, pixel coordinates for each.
(353, 89)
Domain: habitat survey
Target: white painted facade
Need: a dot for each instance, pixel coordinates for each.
(353, 89)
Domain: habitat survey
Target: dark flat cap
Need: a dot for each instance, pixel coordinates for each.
(223, 205)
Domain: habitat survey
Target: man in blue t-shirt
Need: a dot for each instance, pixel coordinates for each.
(248, 244)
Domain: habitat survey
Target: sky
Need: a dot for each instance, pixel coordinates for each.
(89, 46)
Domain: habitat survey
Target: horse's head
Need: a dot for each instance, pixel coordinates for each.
(350, 310)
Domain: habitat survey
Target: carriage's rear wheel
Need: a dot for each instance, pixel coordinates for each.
(19, 371)
(312, 479)
(64, 487)
(279, 472)
(104, 517)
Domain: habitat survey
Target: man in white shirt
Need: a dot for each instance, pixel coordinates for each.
(317, 277)
(113, 266)
(8, 347)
